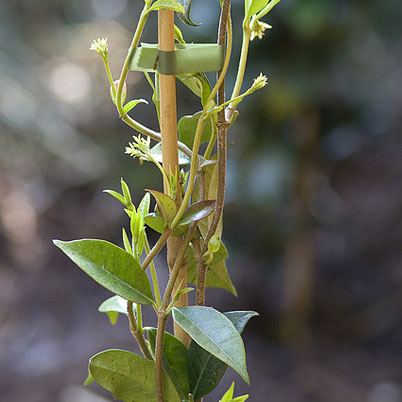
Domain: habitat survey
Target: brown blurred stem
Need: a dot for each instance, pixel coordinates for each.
(136, 334)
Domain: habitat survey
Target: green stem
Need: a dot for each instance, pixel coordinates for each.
(133, 46)
(135, 332)
(154, 276)
(162, 318)
(139, 318)
(109, 75)
(156, 248)
(242, 67)
(211, 142)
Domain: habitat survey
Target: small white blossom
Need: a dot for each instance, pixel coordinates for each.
(258, 29)
(100, 46)
(259, 82)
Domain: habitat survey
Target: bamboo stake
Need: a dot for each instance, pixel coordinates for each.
(168, 121)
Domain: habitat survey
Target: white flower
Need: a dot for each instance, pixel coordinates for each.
(258, 29)
(259, 82)
(100, 46)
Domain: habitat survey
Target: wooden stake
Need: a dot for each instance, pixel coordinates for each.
(168, 121)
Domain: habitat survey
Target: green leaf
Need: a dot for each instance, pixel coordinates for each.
(126, 192)
(228, 394)
(156, 153)
(116, 195)
(216, 334)
(129, 377)
(166, 205)
(155, 222)
(174, 360)
(198, 83)
(198, 211)
(167, 5)
(126, 242)
(254, 6)
(205, 370)
(133, 103)
(240, 318)
(89, 380)
(186, 16)
(211, 192)
(143, 208)
(111, 267)
(187, 126)
(112, 307)
(217, 274)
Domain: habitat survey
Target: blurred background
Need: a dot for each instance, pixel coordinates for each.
(313, 220)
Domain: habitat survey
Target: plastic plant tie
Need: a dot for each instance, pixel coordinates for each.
(186, 58)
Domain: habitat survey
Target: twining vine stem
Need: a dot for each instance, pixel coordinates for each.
(137, 334)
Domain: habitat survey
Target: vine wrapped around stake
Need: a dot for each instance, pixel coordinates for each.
(188, 365)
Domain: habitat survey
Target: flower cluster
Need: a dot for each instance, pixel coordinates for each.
(258, 29)
(100, 46)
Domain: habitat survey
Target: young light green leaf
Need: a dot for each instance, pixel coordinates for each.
(111, 267)
(113, 307)
(198, 211)
(198, 84)
(133, 103)
(174, 360)
(205, 370)
(187, 126)
(186, 16)
(143, 208)
(155, 222)
(129, 377)
(240, 398)
(215, 333)
(167, 5)
(116, 195)
(217, 274)
(166, 205)
(126, 242)
(228, 394)
(214, 245)
(254, 6)
(89, 380)
(126, 193)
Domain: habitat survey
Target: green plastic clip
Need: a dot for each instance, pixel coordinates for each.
(186, 58)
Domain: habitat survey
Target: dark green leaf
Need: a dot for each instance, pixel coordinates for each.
(167, 5)
(186, 16)
(205, 370)
(112, 307)
(129, 377)
(187, 126)
(198, 211)
(174, 360)
(166, 205)
(215, 333)
(110, 266)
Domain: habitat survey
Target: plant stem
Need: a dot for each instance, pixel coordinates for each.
(136, 333)
(222, 147)
(133, 46)
(201, 274)
(163, 314)
(197, 137)
(162, 318)
(241, 70)
(156, 248)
